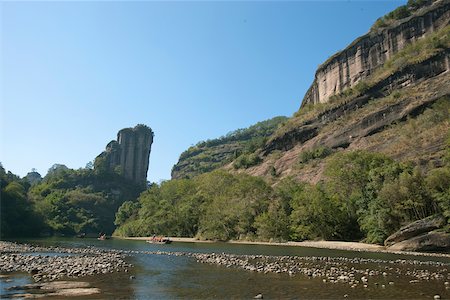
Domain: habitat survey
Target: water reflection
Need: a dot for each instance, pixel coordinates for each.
(169, 277)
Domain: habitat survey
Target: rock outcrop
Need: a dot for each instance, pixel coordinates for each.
(436, 67)
(129, 154)
(421, 235)
(33, 177)
(416, 228)
(382, 83)
(403, 71)
(367, 53)
(431, 241)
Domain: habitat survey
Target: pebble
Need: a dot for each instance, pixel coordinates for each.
(81, 261)
(354, 271)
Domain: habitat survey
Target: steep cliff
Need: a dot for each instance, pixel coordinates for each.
(395, 101)
(387, 92)
(129, 154)
(366, 54)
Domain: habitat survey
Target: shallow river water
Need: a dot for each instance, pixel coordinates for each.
(168, 277)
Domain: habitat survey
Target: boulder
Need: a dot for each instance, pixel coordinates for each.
(416, 228)
(431, 241)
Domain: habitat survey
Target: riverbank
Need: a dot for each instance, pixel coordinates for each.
(334, 245)
(52, 263)
(48, 265)
(170, 271)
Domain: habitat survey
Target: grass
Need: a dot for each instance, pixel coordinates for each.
(418, 139)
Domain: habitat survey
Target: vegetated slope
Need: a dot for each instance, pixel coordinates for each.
(400, 108)
(212, 154)
(82, 201)
(357, 165)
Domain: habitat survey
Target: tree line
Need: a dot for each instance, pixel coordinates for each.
(364, 196)
(64, 202)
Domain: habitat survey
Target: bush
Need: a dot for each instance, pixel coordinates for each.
(246, 161)
(316, 153)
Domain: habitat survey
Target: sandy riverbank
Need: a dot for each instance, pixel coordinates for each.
(337, 245)
(354, 246)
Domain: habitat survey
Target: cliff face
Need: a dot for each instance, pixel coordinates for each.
(129, 154)
(388, 92)
(367, 53)
(375, 120)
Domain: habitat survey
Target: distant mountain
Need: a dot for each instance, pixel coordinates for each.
(212, 154)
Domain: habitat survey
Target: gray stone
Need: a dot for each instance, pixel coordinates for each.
(431, 241)
(129, 155)
(355, 63)
(416, 228)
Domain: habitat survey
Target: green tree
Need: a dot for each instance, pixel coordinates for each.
(315, 214)
(17, 216)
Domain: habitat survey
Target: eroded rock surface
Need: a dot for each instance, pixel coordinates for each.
(431, 241)
(129, 154)
(416, 228)
(359, 60)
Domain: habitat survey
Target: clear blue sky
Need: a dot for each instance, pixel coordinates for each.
(75, 73)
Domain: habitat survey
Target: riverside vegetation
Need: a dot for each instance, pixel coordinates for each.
(370, 180)
(364, 196)
(65, 201)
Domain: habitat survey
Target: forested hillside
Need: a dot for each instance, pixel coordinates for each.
(65, 201)
(212, 154)
(364, 196)
(81, 201)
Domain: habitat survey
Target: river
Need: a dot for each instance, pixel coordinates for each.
(168, 277)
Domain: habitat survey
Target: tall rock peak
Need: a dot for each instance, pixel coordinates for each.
(129, 154)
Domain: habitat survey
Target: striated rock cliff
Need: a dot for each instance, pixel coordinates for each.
(129, 154)
(380, 113)
(367, 53)
(370, 96)
(374, 120)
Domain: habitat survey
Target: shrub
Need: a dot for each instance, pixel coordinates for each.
(316, 153)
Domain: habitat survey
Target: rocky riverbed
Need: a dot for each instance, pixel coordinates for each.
(59, 262)
(356, 272)
(49, 265)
